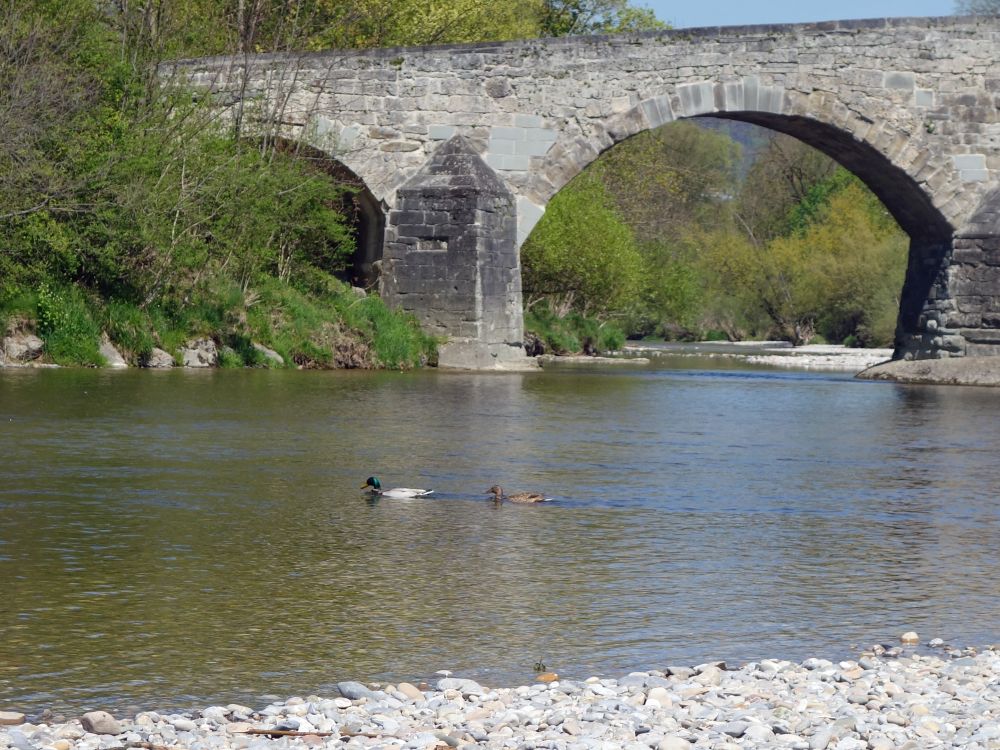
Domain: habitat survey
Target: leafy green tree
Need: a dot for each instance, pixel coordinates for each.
(579, 17)
(779, 180)
(581, 255)
(667, 179)
(837, 274)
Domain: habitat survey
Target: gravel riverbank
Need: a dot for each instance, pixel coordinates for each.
(828, 357)
(887, 698)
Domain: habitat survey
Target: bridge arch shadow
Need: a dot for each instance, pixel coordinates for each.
(363, 211)
(900, 191)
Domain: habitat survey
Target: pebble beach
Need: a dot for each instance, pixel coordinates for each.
(888, 698)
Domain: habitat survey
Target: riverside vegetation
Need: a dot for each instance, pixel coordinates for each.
(684, 233)
(126, 210)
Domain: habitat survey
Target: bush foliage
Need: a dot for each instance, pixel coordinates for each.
(667, 236)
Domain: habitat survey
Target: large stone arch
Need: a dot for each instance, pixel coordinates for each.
(887, 156)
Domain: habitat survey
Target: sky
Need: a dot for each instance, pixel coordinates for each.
(688, 13)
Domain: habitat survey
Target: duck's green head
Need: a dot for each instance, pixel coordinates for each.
(373, 483)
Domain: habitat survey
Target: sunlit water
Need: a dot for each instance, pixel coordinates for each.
(172, 539)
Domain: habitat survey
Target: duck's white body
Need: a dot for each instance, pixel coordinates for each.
(374, 486)
(400, 492)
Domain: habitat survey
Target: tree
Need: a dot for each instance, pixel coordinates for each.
(838, 273)
(581, 255)
(977, 7)
(780, 178)
(578, 17)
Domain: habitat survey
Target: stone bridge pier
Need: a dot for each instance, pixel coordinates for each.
(463, 146)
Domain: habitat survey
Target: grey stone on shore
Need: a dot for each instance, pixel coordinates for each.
(100, 722)
(111, 355)
(952, 371)
(20, 347)
(200, 353)
(465, 687)
(159, 360)
(270, 354)
(355, 691)
(916, 701)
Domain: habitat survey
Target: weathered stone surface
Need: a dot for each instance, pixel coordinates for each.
(451, 259)
(111, 355)
(948, 371)
(917, 121)
(200, 353)
(410, 691)
(270, 354)
(100, 722)
(22, 347)
(11, 718)
(354, 690)
(159, 359)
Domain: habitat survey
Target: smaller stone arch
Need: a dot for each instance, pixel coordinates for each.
(361, 208)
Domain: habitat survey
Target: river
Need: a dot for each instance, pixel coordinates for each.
(186, 538)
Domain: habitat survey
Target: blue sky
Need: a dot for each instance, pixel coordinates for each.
(688, 13)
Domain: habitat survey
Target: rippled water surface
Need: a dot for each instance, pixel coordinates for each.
(170, 539)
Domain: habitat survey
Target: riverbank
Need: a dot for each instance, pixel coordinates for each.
(828, 357)
(887, 698)
(274, 325)
(983, 371)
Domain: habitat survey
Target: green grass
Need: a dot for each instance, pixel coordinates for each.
(323, 325)
(66, 325)
(572, 333)
(130, 329)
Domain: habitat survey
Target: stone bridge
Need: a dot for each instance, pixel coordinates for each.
(461, 147)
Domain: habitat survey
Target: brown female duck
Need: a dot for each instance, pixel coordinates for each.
(517, 497)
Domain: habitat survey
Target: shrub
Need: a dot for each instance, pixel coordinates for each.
(66, 325)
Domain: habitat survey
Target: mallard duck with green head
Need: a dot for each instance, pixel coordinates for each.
(524, 498)
(374, 486)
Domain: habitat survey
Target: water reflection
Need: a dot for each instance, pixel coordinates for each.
(177, 538)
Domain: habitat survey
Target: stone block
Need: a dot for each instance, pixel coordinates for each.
(974, 175)
(751, 92)
(502, 146)
(696, 98)
(532, 148)
(440, 132)
(507, 133)
(899, 80)
(732, 100)
(969, 162)
(528, 121)
(657, 111)
(516, 163)
(541, 135)
(771, 99)
(625, 124)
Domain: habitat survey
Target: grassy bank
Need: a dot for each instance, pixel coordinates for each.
(332, 327)
(551, 332)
